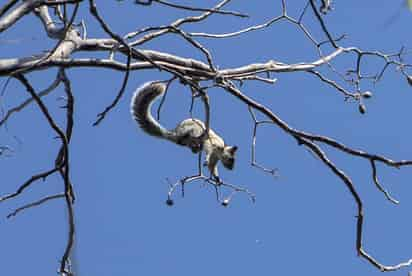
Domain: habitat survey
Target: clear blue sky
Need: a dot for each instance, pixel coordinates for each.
(303, 222)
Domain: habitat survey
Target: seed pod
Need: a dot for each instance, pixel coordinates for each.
(409, 79)
(362, 108)
(225, 202)
(169, 202)
(367, 94)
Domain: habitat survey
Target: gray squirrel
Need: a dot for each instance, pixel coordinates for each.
(186, 133)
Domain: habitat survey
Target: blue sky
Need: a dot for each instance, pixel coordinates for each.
(302, 222)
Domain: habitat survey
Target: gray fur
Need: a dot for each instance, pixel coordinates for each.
(141, 104)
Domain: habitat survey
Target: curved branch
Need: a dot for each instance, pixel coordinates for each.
(189, 8)
(311, 137)
(308, 140)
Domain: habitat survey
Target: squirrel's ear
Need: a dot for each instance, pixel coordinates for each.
(233, 149)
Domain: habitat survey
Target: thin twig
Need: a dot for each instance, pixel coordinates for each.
(246, 30)
(28, 101)
(119, 95)
(168, 83)
(34, 204)
(190, 8)
(322, 24)
(273, 172)
(177, 23)
(26, 184)
(379, 186)
(94, 12)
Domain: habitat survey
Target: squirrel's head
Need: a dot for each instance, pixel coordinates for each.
(228, 156)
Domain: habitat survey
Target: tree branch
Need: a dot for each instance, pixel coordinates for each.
(34, 204)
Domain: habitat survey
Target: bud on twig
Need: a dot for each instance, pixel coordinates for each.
(169, 202)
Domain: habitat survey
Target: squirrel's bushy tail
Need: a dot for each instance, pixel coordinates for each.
(141, 104)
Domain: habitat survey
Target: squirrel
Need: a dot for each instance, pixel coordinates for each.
(187, 133)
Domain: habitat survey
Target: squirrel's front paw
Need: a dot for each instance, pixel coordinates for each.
(217, 180)
(195, 147)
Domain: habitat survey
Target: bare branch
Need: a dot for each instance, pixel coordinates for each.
(7, 6)
(177, 23)
(12, 17)
(274, 66)
(60, 49)
(234, 189)
(26, 184)
(198, 46)
(199, 76)
(24, 104)
(322, 24)
(26, 7)
(94, 12)
(308, 140)
(168, 83)
(273, 172)
(64, 171)
(189, 8)
(379, 186)
(332, 83)
(119, 95)
(43, 109)
(240, 32)
(34, 204)
(254, 77)
(312, 137)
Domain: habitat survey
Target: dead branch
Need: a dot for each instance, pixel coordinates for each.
(199, 76)
(64, 171)
(309, 141)
(62, 160)
(34, 204)
(28, 101)
(189, 8)
(257, 123)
